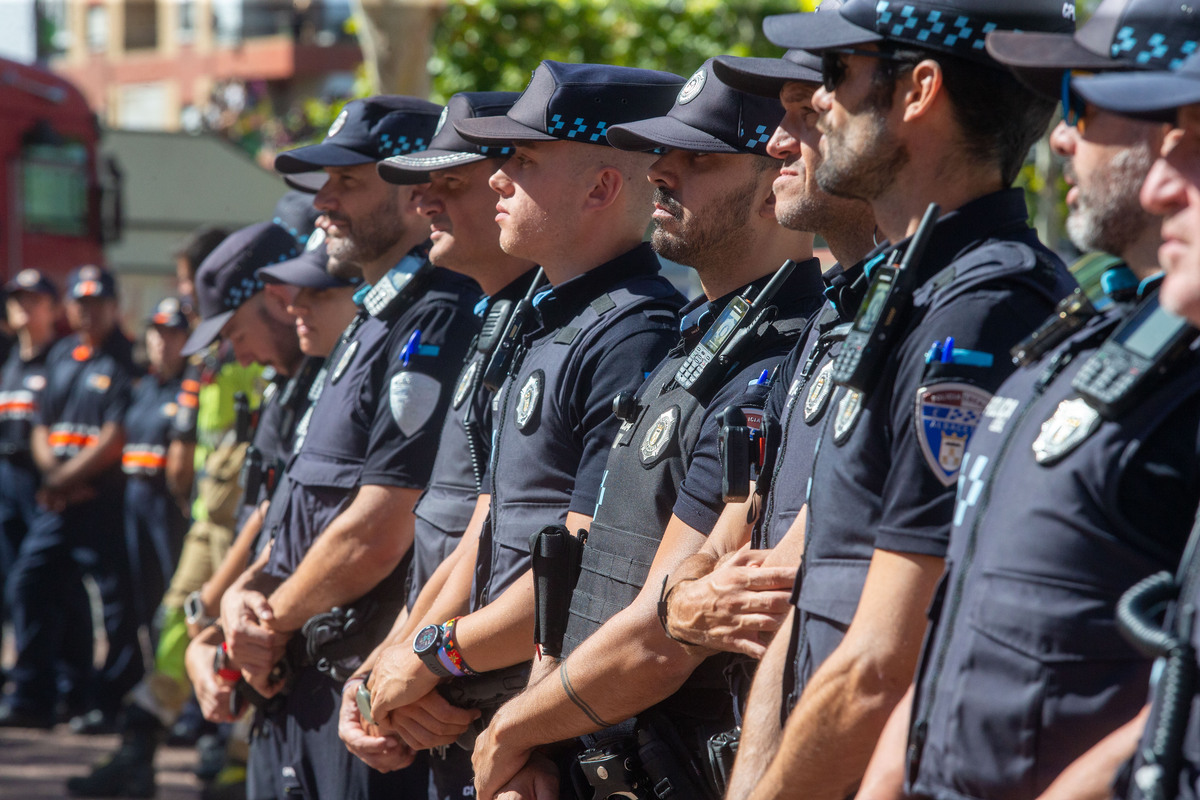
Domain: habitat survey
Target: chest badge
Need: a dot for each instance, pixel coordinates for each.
(99, 382)
(946, 416)
(849, 409)
(1073, 422)
(344, 362)
(169, 410)
(818, 394)
(655, 442)
(35, 383)
(529, 400)
(465, 382)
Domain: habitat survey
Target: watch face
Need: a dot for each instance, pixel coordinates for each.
(192, 609)
(427, 639)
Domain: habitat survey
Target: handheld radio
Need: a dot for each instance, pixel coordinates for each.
(505, 348)
(394, 286)
(884, 310)
(719, 347)
(1141, 349)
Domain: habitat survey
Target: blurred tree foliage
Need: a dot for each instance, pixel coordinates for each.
(496, 44)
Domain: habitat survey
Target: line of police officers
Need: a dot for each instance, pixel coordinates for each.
(864, 532)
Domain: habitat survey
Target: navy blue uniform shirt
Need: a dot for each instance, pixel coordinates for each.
(148, 425)
(21, 384)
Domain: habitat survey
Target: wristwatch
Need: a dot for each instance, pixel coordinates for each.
(193, 611)
(426, 644)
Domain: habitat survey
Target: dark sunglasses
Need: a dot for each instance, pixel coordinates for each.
(833, 69)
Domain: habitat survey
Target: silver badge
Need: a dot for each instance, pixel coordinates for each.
(315, 240)
(1073, 422)
(529, 399)
(818, 395)
(659, 436)
(691, 90)
(847, 416)
(464, 384)
(337, 124)
(441, 121)
(344, 362)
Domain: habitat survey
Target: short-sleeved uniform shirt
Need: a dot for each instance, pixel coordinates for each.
(382, 400)
(21, 384)
(886, 464)
(594, 336)
(1060, 510)
(460, 467)
(86, 388)
(148, 425)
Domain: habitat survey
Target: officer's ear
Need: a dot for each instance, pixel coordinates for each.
(606, 186)
(923, 90)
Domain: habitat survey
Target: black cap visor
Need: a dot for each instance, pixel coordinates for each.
(764, 77)
(408, 170)
(318, 156)
(816, 32)
(501, 131)
(1151, 96)
(648, 134)
(206, 333)
(309, 182)
(1039, 59)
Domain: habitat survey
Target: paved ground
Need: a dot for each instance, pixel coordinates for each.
(36, 764)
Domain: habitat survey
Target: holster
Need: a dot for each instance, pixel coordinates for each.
(486, 692)
(557, 556)
(337, 641)
(722, 751)
(652, 763)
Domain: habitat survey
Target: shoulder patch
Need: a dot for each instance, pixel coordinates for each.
(946, 416)
(1073, 422)
(413, 397)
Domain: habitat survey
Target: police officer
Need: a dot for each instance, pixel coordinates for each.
(32, 305)
(154, 518)
(715, 212)
(1087, 527)
(228, 293)
(906, 124)
(76, 443)
(341, 522)
(579, 208)
(704, 604)
(461, 209)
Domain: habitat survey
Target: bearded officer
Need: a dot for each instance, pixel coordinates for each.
(914, 113)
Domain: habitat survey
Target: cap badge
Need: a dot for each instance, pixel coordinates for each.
(691, 90)
(441, 121)
(89, 273)
(315, 240)
(337, 124)
(27, 278)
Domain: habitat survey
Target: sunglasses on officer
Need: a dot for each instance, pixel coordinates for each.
(833, 68)
(1074, 107)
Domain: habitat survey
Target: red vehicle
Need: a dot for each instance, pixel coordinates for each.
(59, 201)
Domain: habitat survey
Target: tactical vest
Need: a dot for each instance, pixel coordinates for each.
(646, 465)
(535, 449)
(1024, 669)
(445, 509)
(835, 562)
(786, 492)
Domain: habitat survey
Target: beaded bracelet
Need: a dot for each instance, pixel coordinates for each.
(450, 649)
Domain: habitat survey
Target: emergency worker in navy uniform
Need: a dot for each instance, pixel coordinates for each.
(76, 442)
(714, 211)
(578, 208)
(261, 331)
(33, 308)
(737, 606)
(1025, 649)
(155, 522)
(461, 208)
(340, 525)
(913, 112)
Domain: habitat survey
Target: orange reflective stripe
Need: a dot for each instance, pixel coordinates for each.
(190, 386)
(71, 439)
(189, 401)
(139, 459)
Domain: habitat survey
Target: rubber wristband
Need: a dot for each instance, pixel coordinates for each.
(228, 673)
(664, 598)
(450, 648)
